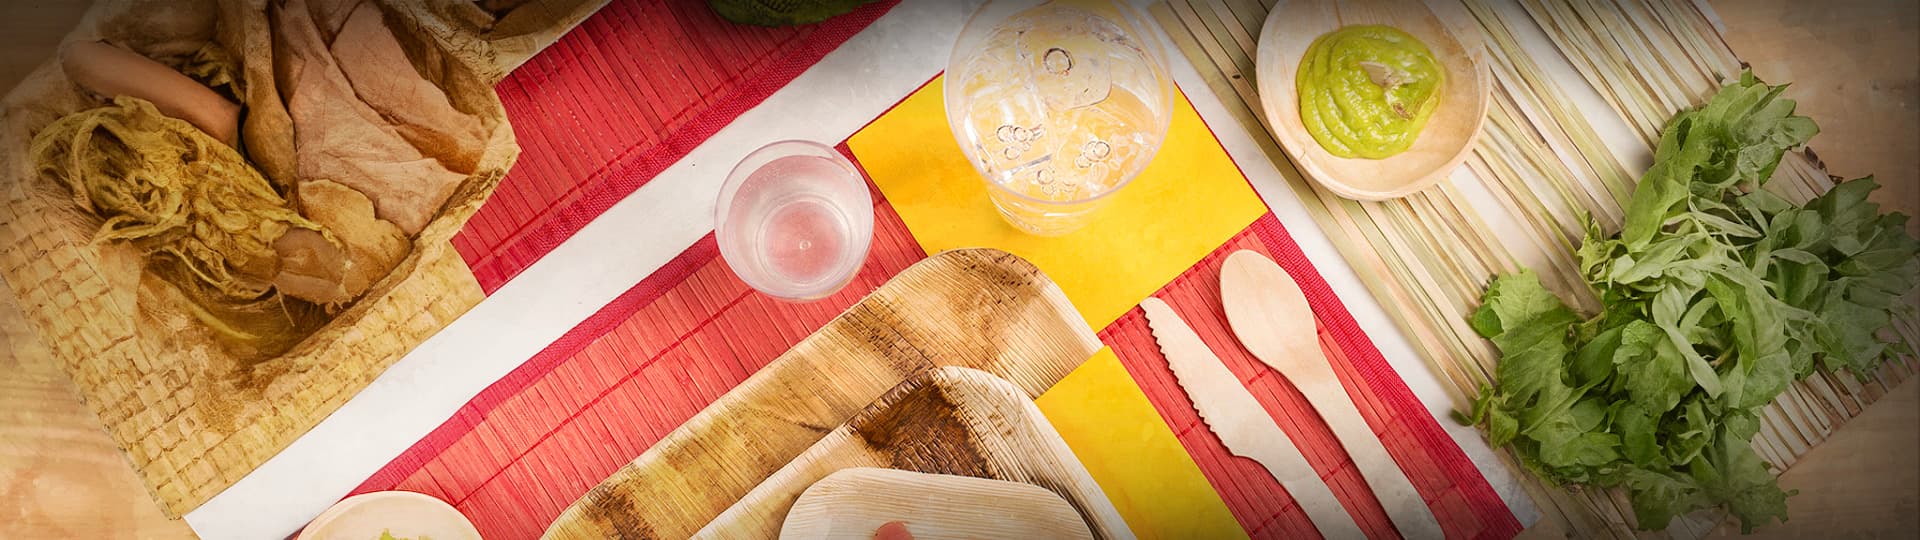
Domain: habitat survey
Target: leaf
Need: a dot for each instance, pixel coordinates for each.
(1798, 256)
(1637, 432)
(1590, 449)
(1502, 427)
(1652, 202)
(1846, 335)
(1531, 327)
(1659, 496)
(1697, 366)
(1569, 438)
(1553, 401)
(1656, 378)
(1594, 362)
(1764, 378)
(1695, 431)
(1650, 264)
(1490, 408)
(1796, 282)
(1726, 226)
(1733, 473)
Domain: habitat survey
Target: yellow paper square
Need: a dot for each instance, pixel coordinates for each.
(1188, 201)
(1129, 451)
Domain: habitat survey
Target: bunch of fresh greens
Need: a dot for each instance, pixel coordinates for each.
(1717, 294)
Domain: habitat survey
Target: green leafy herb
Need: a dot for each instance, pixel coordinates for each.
(1717, 295)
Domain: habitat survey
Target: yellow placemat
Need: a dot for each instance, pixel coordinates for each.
(1191, 199)
(1188, 202)
(1133, 456)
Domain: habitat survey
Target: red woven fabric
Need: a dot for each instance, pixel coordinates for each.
(617, 100)
(1464, 504)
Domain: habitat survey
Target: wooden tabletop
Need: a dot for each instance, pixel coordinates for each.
(1851, 63)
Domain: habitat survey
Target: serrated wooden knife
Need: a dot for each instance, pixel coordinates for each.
(1230, 411)
(1273, 320)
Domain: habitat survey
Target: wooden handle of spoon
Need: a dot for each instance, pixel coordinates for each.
(1404, 505)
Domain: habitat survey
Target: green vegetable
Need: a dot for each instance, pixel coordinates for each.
(782, 12)
(1717, 295)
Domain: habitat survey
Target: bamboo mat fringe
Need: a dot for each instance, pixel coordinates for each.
(1427, 257)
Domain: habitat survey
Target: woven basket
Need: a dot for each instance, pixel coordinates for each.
(191, 419)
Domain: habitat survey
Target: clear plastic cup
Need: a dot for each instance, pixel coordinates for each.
(1058, 104)
(794, 220)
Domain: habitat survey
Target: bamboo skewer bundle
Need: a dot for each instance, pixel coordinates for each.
(1427, 257)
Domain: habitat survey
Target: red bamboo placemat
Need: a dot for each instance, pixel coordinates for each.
(1462, 501)
(617, 100)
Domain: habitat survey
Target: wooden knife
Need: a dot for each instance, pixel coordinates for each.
(1230, 411)
(1273, 320)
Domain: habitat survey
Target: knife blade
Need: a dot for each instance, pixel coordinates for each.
(1271, 317)
(1231, 413)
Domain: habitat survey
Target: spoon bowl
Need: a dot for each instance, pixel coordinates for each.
(1267, 311)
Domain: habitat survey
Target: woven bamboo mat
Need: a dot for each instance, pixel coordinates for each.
(625, 94)
(1544, 166)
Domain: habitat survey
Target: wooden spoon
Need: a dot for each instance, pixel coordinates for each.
(1449, 135)
(1273, 320)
